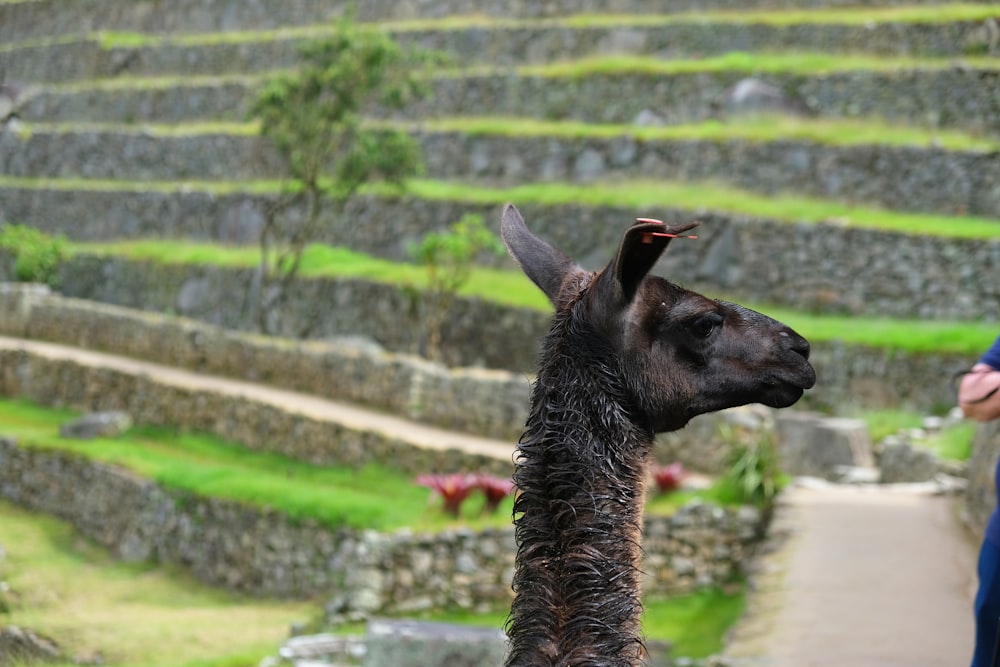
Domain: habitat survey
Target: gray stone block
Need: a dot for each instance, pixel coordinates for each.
(97, 425)
(809, 444)
(20, 646)
(393, 643)
(902, 462)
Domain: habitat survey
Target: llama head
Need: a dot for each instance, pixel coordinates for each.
(680, 354)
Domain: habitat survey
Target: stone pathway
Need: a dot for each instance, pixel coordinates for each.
(862, 576)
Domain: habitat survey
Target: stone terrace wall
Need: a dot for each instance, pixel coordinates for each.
(391, 316)
(37, 18)
(480, 401)
(848, 375)
(263, 552)
(911, 178)
(826, 267)
(88, 58)
(942, 97)
(255, 424)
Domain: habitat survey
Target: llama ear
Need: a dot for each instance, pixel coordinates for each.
(641, 246)
(546, 266)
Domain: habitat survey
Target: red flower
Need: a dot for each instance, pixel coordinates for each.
(453, 488)
(495, 489)
(668, 478)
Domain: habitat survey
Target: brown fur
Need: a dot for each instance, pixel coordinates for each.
(627, 356)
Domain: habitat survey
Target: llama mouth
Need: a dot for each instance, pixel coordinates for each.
(801, 377)
(781, 392)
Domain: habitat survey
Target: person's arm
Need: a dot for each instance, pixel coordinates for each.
(979, 393)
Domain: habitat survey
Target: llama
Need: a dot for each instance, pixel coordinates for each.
(628, 355)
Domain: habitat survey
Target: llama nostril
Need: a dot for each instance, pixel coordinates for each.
(797, 344)
(802, 347)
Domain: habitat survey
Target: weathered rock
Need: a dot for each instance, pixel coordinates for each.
(809, 444)
(20, 646)
(752, 95)
(322, 649)
(97, 425)
(418, 644)
(901, 461)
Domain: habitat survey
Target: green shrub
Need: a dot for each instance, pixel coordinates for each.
(754, 475)
(449, 258)
(36, 254)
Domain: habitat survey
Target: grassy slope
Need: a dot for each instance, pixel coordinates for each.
(373, 497)
(953, 443)
(802, 63)
(133, 615)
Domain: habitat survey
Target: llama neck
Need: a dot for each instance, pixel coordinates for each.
(581, 474)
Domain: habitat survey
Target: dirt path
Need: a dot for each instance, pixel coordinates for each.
(862, 577)
(350, 416)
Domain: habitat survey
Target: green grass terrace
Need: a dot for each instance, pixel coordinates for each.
(916, 14)
(513, 289)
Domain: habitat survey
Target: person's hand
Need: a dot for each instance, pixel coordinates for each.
(979, 393)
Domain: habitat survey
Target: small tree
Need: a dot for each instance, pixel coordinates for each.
(315, 118)
(449, 257)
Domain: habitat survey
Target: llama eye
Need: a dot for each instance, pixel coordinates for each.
(703, 325)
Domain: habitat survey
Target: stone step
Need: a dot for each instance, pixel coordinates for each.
(509, 42)
(926, 93)
(38, 18)
(837, 266)
(914, 178)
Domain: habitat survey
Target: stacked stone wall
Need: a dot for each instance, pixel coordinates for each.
(951, 97)
(88, 58)
(39, 18)
(915, 178)
(832, 267)
(255, 423)
(360, 571)
(480, 335)
(487, 402)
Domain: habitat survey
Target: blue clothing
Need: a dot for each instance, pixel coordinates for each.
(987, 605)
(993, 526)
(992, 356)
(992, 359)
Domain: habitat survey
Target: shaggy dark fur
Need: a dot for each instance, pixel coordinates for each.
(581, 471)
(627, 356)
